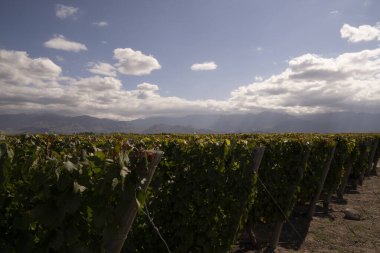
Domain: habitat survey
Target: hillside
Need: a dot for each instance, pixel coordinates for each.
(215, 123)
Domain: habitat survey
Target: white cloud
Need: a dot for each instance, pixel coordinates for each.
(334, 12)
(18, 68)
(37, 85)
(361, 33)
(102, 68)
(259, 49)
(204, 66)
(258, 78)
(24, 80)
(147, 87)
(310, 83)
(64, 11)
(100, 23)
(59, 42)
(147, 90)
(131, 62)
(95, 84)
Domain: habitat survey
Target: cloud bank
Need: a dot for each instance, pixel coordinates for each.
(37, 85)
(309, 84)
(312, 83)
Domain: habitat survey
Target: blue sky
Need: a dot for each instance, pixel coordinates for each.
(241, 43)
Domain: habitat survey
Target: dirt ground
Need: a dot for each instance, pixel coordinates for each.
(330, 232)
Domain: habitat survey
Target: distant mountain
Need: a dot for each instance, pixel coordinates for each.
(50, 123)
(262, 122)
(273, 122)
(34, 123)
(227, 123)
(196, 121)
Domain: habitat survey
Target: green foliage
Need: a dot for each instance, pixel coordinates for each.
(63, 193)
(199, 195)
(344, 147)
(360, 156)
(281, 172)
(68, 193)
(377, 153)
(321, 147)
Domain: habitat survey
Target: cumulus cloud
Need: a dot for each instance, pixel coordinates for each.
(204, 66)
(310, 83)
(64, 11)
(100, 24)
(147, 87)
(59, 42)
(17, 68)
(26, 81)
(361, 33)
(101, 68)
(37, 85)
(131, 62)
(147, 90)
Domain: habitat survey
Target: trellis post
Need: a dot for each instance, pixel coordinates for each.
(115, 243)
(321, 184)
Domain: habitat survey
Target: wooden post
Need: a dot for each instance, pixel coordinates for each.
(347, 172)
(326, 201)
(279, 224)
(116, 243)
(374, 169)
(372, 157)
(355, 183)
(275, 236)
(359, 181)
(321, 183)
(257, 157)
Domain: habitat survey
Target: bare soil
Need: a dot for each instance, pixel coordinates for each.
(330, 232)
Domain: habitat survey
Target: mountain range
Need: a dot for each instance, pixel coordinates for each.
(215, 123)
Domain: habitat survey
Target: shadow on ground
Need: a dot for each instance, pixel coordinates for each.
(293, 233)
(336, 233)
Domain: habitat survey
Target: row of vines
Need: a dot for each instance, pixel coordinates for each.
(69, 193)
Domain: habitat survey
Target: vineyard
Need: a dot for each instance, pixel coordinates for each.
(168, 193)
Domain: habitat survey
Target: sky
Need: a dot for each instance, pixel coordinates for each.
(128, 59)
